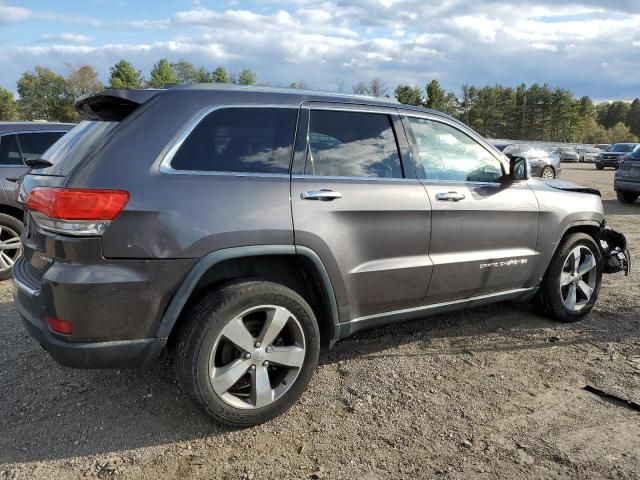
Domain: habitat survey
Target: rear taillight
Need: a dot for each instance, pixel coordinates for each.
(75, 211)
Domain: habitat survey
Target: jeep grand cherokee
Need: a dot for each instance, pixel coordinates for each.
(239, 230)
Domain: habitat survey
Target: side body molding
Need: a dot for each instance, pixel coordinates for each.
(179, 300)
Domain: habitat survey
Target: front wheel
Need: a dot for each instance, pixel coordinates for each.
(626, 197)
(248, 352)
(571, 284)
(548, 173)
(599, 167)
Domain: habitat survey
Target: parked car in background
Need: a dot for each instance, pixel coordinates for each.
(210, 224)
(568, 154)
(626, 182)
(612, 155)
(588, 154)
(19, 142)
(602, 146)
(543, 164)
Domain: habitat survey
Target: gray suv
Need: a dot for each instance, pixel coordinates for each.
(20, 142)
(239, 230)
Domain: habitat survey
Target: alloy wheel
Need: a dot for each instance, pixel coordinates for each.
(10, 247)
(547, 172)
(257, 357)
(578, 278)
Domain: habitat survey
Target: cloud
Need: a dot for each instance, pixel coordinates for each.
(10, 14)
(65, 38)
(326, 43)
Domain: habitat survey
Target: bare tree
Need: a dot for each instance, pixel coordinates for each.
(360, 88)
(377, 87)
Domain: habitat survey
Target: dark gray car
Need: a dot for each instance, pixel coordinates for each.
(239, 230)
(627, 180)
(19, 142)
(543, 164)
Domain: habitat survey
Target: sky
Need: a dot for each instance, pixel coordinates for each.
(591, 47)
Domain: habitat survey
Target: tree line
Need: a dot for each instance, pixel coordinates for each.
(535, 112)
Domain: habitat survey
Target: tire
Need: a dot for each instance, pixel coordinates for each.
(599, 167)
(551, 297)
(10, 246)
(627, 197)
(548, 173)
(203, 340)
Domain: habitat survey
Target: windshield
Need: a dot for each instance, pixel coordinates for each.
(621, 147)
(71, 148)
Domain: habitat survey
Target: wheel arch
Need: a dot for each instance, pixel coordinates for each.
(298, 268)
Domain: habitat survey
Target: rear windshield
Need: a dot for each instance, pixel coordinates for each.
(73, 147)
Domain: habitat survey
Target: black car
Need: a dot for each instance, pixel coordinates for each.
(612, 155)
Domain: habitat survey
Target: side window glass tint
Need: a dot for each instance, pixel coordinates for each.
(9, 151)
(33, 145)
(352, 144)
(244, 140)
(450, 155)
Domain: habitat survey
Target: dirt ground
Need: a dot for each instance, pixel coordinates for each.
(495, 392)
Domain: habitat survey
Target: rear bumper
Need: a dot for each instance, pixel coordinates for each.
(625, 186)
(114, 354)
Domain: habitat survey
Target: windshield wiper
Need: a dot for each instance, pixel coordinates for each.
(38, 163)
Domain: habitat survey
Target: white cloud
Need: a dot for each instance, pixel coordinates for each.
(65, 38)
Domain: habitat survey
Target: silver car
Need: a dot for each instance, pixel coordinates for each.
(588, 154)
(543, 164)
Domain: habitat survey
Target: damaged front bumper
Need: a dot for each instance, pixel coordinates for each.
(615, 251)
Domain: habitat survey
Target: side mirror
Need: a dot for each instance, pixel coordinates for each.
(519, 168)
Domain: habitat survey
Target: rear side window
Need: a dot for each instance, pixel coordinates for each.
(76, 145)
(34, 144)
(243, 140)
(9, 150)
(352, 144)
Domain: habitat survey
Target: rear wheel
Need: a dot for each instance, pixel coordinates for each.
(548, 172)
(571, 284)
(10, 245)
(248, 352)
(627, 197)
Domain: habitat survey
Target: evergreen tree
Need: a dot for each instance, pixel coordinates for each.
(124, 75)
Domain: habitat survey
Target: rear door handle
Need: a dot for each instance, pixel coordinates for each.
(323, 195)
(449, 196)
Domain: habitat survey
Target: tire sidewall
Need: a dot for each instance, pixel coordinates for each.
(265, 294)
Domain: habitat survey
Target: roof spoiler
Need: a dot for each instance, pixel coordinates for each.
(112, 105)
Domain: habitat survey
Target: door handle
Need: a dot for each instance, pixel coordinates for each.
(323, 195)
(449, 196)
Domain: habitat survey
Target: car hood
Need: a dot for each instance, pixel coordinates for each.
(571, 187)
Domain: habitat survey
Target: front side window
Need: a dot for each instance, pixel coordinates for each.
(352, 144)
(33, 145)
(448, 154)
(9, 150)
(243, 140)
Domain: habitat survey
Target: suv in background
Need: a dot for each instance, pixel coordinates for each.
(19, 141)
(612, 155)
(239, 229)
(541, 162)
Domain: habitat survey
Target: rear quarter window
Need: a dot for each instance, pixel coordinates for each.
(75, 146)
(34, 144)
(242, 140)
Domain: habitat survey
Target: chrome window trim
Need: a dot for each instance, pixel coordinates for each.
(167, 154)
(334, 178)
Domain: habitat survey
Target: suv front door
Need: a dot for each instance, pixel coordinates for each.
(483, 228)
(357, 203)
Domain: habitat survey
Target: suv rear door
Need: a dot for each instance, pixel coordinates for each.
(357, 203)
(483, 229)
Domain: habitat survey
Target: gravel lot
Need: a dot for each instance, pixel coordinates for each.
(495, 392)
